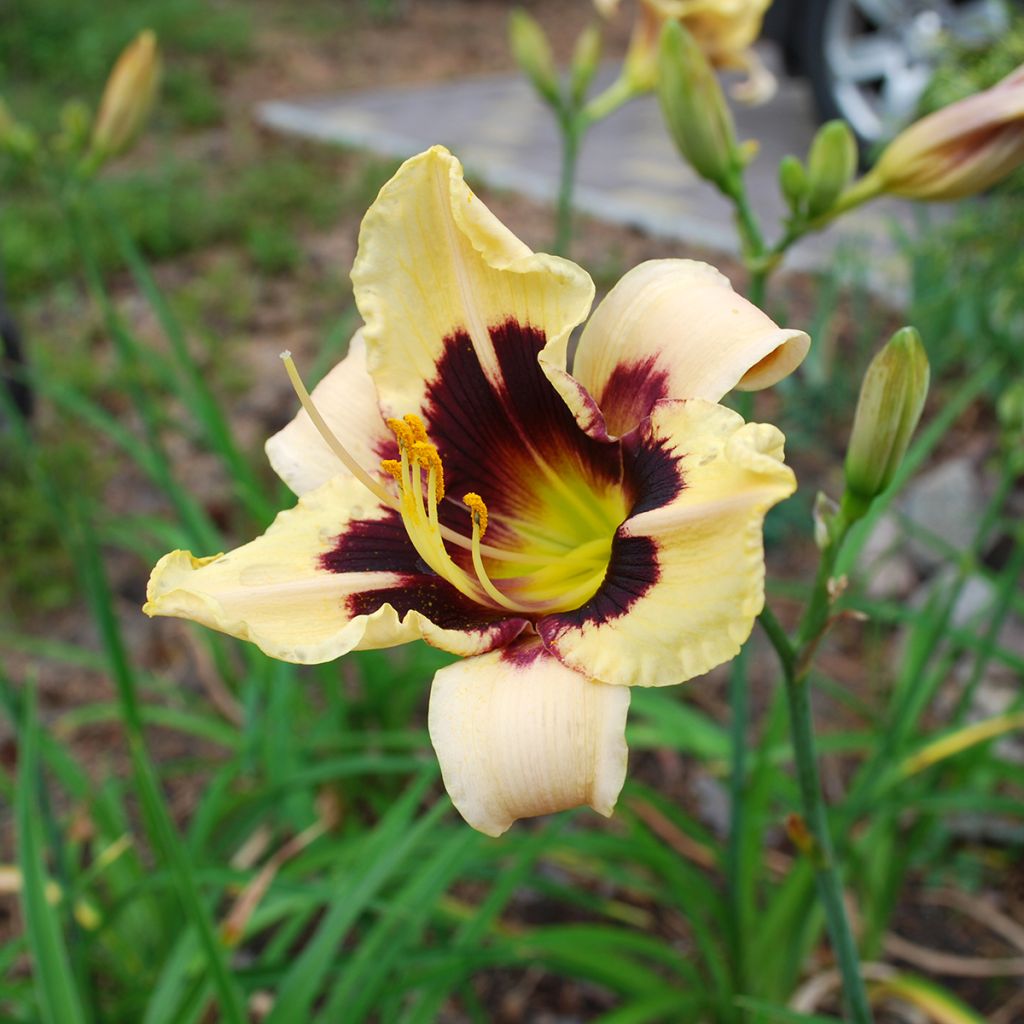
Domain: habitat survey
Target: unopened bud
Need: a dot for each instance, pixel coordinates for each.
(826, 511)
(75, 121)
(960, 150)
(831, 165)
(127, 97)
(891, 399)
(16, 139)
(1010, 412)
(586, 56)
(695, 110)
(792, 181)
(532, 52)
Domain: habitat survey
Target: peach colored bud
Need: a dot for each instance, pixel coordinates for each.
(960, 150)
(724, 30)
(128, 96)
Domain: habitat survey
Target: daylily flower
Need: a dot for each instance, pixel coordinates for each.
(570, 535)
(957, 151)
(725, 30)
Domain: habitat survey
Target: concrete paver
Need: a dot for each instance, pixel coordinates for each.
(629, 171)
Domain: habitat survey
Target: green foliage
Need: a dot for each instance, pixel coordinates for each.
(186, 206)
(52, 50)
(966, 69)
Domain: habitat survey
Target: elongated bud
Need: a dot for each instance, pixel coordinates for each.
(127, 97)
(532, 52)
(695, 110)
(831, 164)
(960, 150)
(792, 182)
(586, 56)
(891, 399)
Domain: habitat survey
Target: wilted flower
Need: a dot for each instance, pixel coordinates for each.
(127, 97)
(725, 30)
(570, 535)
(958, 151)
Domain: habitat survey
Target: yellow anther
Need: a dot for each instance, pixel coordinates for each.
(478, 509)
(424, 454)
(415, 424)
(394, 467)
(402, 431)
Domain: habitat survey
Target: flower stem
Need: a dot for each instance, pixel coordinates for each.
(795, 660)
(739, 706)
(572, 126)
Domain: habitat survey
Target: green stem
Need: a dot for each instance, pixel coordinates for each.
(616, 95)
(751, 240)
(830, 890)
(795, 659)
(739, 705)
(572, 126)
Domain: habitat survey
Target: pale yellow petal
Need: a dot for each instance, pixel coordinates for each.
(322, 581)
(436, 271)
(347, 400)
(518, 734)
(675, 329)
(693, 602)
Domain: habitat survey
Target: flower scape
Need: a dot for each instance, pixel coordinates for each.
(569, 534)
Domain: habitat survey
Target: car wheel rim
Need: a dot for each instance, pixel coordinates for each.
(881, 54)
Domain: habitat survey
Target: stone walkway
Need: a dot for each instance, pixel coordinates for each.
(629, 171)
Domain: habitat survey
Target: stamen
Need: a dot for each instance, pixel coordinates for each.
(333, 443)
(425, 454)
(394, 468)
(401, 430)
(415, 424)
(478, 513)
(476, 506)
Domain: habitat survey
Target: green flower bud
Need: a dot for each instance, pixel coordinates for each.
(16, 139)
(831, 164)
(792, 182)
(75, 124)
(1010, 412)
(891, 400)
(532, 52)
(586, 56)
(695, 110)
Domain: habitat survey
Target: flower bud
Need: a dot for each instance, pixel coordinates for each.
(1010, 413)
(532, 52)
(831, 164)
(586, 56)
(75, 122)
(959, 150)
(127, 97)
(16, 139)
(891, 400)
(694, 108)
(792, 181)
